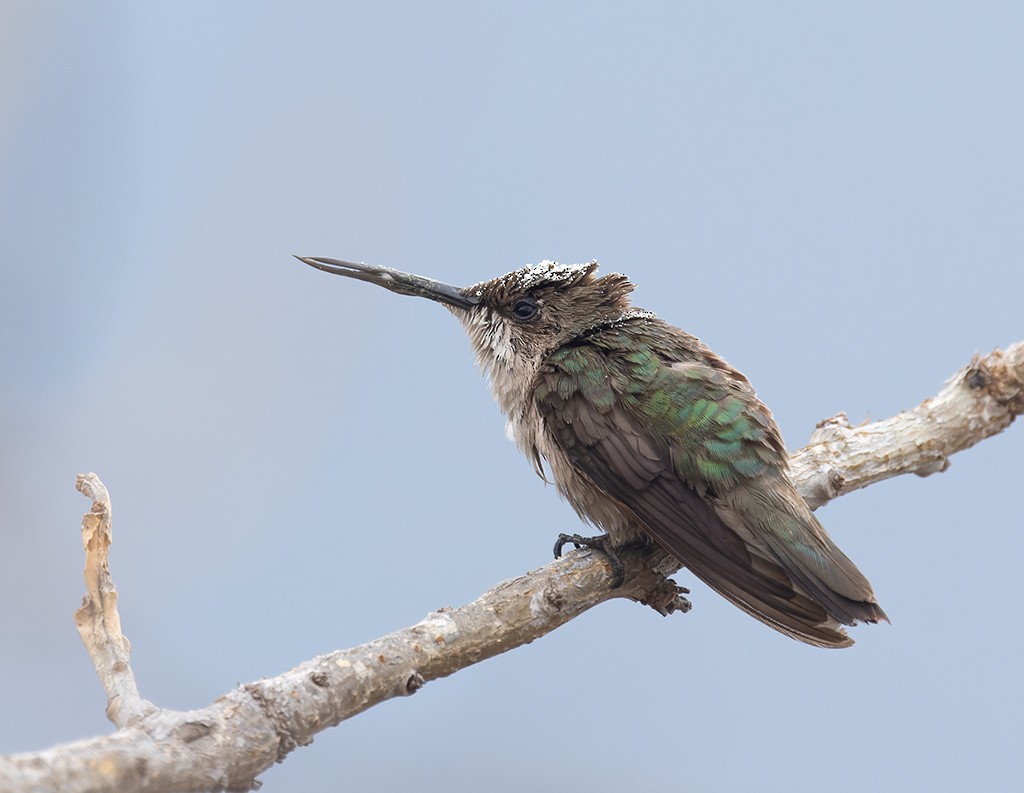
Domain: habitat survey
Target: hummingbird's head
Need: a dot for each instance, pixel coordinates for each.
(526, 313)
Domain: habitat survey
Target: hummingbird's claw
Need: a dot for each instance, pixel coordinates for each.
(565, 539)
(601, 543)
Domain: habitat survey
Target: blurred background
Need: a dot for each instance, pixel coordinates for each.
(830, 195)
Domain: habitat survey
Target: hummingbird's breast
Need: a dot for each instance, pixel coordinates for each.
(529, 430)
(512, 364)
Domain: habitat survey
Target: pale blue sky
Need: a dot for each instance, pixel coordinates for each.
(830, 195)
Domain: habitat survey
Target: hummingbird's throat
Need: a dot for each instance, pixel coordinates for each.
(503, 358)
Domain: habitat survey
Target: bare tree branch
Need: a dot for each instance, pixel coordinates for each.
(225, 745)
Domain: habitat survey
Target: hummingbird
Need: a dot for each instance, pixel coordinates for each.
(650, 436)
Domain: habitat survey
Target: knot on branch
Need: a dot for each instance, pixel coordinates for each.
(278, 719)
(647, 581)
(833, 430)
(668, 598)
(999, 376)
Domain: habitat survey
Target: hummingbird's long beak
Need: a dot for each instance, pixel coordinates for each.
(396, 281)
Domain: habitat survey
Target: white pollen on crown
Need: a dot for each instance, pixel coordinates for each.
(544, 272)
(636, 313)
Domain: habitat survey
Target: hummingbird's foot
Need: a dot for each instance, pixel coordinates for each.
(601, 543)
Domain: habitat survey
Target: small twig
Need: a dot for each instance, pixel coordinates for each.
(98, 621)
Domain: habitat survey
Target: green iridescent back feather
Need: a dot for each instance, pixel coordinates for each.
(719, 433)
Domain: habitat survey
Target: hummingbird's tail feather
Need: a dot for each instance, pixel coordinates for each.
(720, 553)
(797, 616)
(781, 524)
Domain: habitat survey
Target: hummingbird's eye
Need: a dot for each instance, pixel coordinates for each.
(525, 309)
